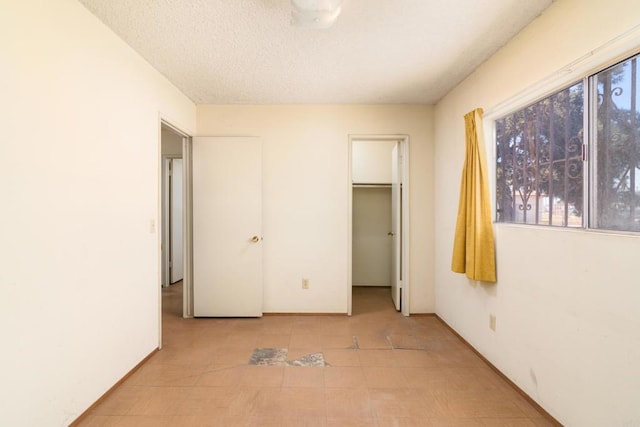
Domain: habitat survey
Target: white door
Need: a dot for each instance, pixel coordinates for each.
(177, 241)
(396, 224)
(227, 227)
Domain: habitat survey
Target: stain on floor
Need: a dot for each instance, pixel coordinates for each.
(279, 357)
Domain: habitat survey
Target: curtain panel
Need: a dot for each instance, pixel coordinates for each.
(474, 246)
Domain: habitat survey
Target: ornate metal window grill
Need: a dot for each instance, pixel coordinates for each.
(539, 161)
(616, 157)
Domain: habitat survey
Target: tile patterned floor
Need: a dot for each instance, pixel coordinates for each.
(380, 369)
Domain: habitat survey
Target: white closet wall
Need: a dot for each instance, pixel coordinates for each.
(371, 245)
(371, 264)
(371, 162)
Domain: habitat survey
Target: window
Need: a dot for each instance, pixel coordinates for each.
(539, 161)
(616, 151)
(541, 156)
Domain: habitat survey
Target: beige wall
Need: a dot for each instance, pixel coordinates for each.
(566, 302)
(80, 275)
(306, 189)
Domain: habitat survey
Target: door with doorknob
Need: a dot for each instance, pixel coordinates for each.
(227, 227)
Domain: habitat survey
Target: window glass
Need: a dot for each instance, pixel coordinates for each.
(616, 159)
(539, 163)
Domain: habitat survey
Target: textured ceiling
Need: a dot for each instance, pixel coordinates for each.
(379, 51)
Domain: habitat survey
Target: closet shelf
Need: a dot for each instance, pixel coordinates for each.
(370, 185)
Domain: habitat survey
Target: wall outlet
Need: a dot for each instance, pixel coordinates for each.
(492, 322)
(305, 283)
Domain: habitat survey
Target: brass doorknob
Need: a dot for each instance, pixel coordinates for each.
(391, 233)
(255, 239)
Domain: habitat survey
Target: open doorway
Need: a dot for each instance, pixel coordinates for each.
(378, 217)
(175, 274)
(172, 209)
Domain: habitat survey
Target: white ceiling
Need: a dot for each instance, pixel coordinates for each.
(379, 51)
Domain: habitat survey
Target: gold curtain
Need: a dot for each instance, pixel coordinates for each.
(473, 247)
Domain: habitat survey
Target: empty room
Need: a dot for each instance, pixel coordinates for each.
(320, 213)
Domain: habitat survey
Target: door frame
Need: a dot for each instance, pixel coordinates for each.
(404, 247)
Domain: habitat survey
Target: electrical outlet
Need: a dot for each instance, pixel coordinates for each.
(305, 283)
(492, 322)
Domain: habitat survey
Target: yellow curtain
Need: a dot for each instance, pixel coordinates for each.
(473, 247)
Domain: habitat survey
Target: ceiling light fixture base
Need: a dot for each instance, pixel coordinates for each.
(316, 14)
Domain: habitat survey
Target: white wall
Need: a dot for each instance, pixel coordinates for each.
(79, 266)
(566, 302)
(371, 162)
(306, 190)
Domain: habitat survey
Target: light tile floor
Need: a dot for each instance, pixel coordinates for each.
(383, 369)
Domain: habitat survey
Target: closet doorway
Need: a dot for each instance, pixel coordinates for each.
(378, 216)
